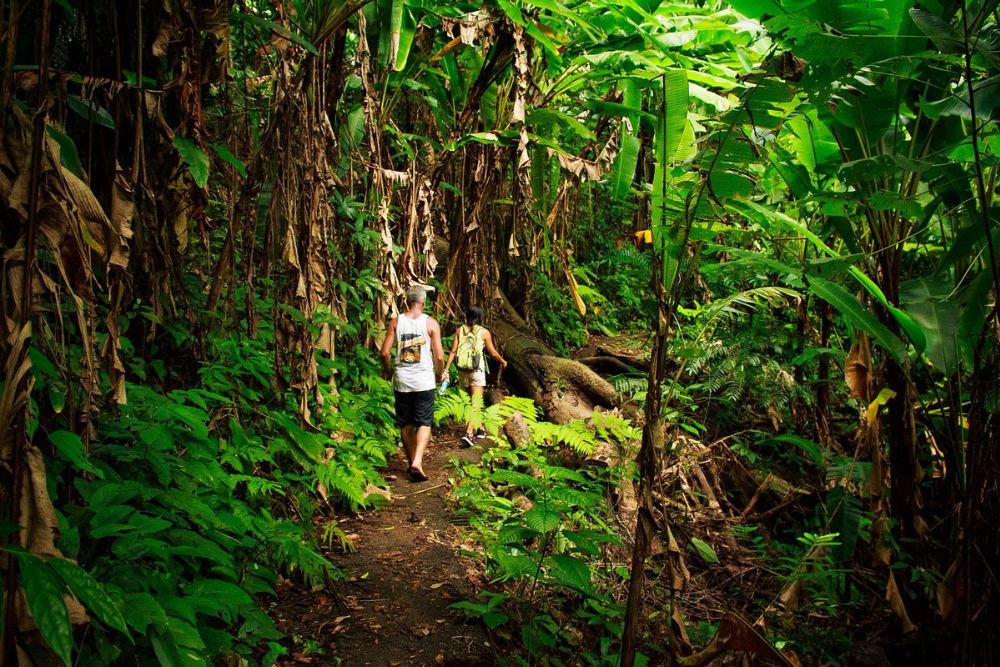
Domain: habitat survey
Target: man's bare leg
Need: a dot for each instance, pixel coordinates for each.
(408, 433)
(422, 439)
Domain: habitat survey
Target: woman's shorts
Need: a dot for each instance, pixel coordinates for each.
(415, 408)
(467, 379)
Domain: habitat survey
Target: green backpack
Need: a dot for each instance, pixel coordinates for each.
(470, 350)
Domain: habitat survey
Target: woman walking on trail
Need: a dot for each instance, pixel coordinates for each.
(418, 358)
(471, 340)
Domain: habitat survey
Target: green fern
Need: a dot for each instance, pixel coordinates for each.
(287, 547)
(633, 386)
(575, 434)
(346, 481)
(332, 531)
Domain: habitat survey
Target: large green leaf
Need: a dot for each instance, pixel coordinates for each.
(44, 592)
(847, 512)
(625, 163)
(811, 448)
(539, 116)
(813, 143)
(228, 596)
(68, 155)
(70, 446)
(758, 9)
(143, 610)
(539, 172)
(675, 100)
(857, 315)
(91, 110)
(90, 592)
(618, 109)
(541, 519)
(631, 99)
(729, 184)
(571, 571)
(404, 28)
(165, 647)
(228, 157)
(563, 10)
(670, 128)
(194, 158)
(705, 551)
(973, 316)
(515, 565)
(934, 307)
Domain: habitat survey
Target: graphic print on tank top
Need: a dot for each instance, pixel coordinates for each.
(409, 347)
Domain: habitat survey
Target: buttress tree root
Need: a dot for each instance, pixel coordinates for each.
(565, 389)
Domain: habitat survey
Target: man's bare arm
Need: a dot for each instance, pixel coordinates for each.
(434, 331)
(390, 338)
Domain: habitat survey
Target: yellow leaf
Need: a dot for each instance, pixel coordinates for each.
(883, 397)
(575, 293)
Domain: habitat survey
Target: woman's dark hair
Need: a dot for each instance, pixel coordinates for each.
(473, 315)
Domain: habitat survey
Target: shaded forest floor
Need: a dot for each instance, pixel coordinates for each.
(405, 571)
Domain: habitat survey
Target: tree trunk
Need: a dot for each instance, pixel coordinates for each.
(976, 590)
(565, 389)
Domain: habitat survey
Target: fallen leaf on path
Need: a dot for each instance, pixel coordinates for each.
(421, 631)
(437, 585)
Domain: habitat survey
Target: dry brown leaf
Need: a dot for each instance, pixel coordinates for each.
(857, 367)
(948, 590)
(736, 634)
(897, 604)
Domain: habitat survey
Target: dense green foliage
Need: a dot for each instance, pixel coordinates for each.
(190, 501)
(543, 532)
(218, 206)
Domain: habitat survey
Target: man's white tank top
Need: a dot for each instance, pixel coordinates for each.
(414, 363)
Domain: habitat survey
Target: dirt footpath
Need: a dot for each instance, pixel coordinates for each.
(406, 570)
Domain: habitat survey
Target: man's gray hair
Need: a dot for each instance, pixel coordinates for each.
(416, 294)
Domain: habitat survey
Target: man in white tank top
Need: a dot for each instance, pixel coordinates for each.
(419, 360)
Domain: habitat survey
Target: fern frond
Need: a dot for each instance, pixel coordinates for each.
(748, 301)
(347, 481)
(331, 531)
(525, 406)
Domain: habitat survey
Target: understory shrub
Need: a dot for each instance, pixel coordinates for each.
(187, 503)
(548, 542)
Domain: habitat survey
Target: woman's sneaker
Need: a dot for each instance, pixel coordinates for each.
(466, 441)
(481, 433)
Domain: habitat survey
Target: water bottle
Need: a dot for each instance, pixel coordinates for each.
(444, 386)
